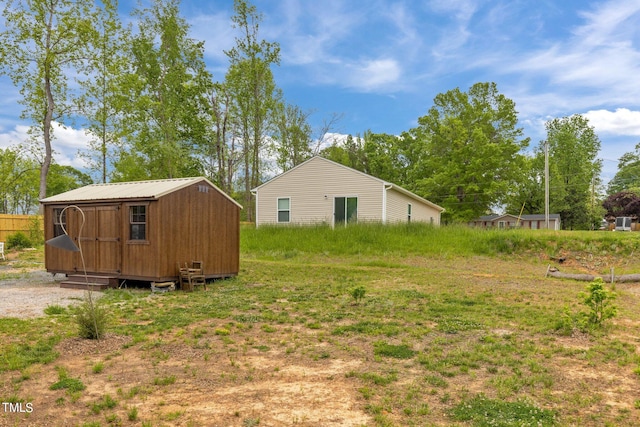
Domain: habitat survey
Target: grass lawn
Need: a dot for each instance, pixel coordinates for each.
(395, 326)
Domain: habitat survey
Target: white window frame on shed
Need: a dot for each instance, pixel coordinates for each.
(283, 210)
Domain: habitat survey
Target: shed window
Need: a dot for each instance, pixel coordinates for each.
(59, 222)
(284, 209)
(138, 222)
(409, 212)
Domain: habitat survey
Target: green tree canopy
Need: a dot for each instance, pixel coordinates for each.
(574, 171)
(628, 175)
(43, 44)
(467, 151)
(168, 106)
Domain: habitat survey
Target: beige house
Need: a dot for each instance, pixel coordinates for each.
(320, 191)
(524, 221)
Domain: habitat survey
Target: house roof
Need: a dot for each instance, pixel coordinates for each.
(152, 189)
(533, 217)
(388, 185)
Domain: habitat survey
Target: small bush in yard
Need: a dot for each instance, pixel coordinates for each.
(18, 240)
(358, 293)
(599, 300)
(91, 318)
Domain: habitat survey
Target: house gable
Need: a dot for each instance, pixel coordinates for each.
(308, 194)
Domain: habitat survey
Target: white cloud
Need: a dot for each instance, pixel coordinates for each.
(374, 74)
(594, 67)
(622, 121)
(452, 38)
(68, 141)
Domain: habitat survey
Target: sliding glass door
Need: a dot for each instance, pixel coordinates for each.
(345, 210)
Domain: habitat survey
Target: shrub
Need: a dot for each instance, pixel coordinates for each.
(358, 293)
(36, 235)
(91, 318)
(599, 300)
(18, 240)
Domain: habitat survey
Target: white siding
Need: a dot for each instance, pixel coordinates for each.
(312, 188)
(397, 204)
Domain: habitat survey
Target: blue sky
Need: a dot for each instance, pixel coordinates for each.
(380, 63)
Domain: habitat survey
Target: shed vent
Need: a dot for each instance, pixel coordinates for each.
(203, 189)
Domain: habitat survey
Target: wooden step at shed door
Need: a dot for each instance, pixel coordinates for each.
(95, 283)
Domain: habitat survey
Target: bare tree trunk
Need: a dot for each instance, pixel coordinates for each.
(46, 128)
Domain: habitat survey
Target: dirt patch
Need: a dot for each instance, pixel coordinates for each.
(178, 385)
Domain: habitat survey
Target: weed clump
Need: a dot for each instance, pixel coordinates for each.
(67, 383)
(482, 411)
(91, 318)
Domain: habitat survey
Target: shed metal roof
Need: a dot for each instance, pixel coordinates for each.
(152, 189)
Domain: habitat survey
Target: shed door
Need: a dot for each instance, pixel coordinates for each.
(99, 239)
(107, 239)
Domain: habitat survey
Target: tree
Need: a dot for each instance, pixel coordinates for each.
(65, 178)
(624, 203)
(574, 171)
(44, 42)
(387, 158)
(252, 87)
(349, 153)
(18, 182)
(292, 138)
(628, 175)
(220, 150)
(466, 151)
(102, 99)
(168, 110)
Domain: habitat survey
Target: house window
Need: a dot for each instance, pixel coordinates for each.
(284, 209)
(409, 212)
(501, 224)
(138, 222)
(534, 225)
(59, 222)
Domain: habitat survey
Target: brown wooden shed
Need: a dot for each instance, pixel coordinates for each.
(143, 230)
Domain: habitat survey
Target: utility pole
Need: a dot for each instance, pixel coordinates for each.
(546, 184)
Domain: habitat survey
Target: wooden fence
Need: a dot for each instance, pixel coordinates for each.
(10, 224)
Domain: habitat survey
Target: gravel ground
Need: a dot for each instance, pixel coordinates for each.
(28, 295)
